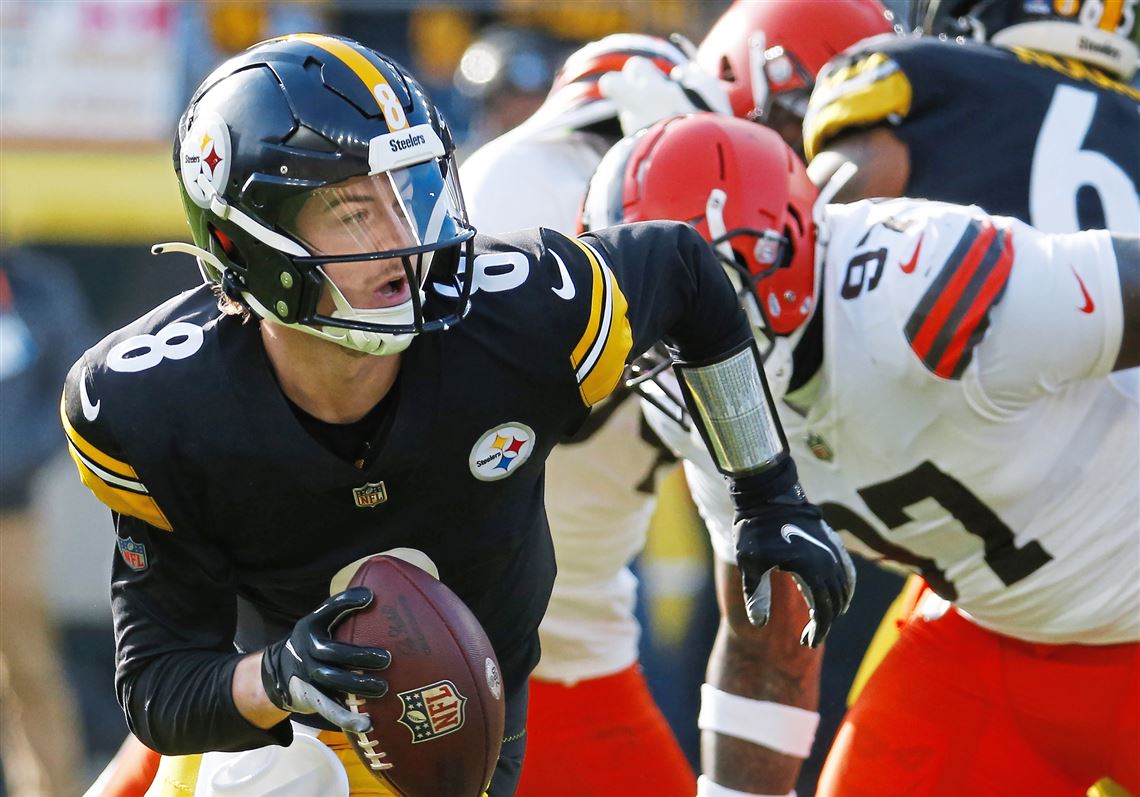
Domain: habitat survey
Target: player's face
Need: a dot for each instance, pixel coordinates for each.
(788, 124)
(359, 216)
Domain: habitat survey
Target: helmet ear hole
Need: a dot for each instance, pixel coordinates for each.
(794, 216)
(788, 250)
(226, 244)
(726, 72)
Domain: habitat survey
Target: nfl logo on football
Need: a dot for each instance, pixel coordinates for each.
(432, 711)
(370, 495)
(133, 553)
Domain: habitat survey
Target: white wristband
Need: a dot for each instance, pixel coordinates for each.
(707, 788)
(785, 729)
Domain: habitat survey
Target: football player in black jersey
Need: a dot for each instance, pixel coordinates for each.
(1022, 107)
(362, 374)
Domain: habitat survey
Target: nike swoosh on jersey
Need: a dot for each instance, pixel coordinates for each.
(1089, 304)
(90, 411)
(909, 265)
(566, 289)
(789, 531)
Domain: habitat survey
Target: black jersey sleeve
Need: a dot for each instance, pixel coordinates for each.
(173, 594)
(175, 613)
(102, 461)
(636, 284)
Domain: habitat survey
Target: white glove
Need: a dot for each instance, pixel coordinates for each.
(708, 87)
(644, 95)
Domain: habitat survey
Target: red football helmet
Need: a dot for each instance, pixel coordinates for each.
(575, 100)
(769, 51)
(742, 188)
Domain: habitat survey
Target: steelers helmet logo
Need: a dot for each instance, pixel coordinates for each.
(205, 154)
(501, 451)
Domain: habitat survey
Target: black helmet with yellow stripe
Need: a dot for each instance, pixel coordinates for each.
(310, 155)
(1104, 33)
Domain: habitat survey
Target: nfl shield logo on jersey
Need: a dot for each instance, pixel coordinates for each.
(133, 553)
(432, 711)
(369, 495)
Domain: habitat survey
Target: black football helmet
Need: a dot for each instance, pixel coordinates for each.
(1104, 33)
(309, 150)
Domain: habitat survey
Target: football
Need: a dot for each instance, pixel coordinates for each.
(438, 731)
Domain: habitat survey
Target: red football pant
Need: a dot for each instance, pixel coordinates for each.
(956, 710)
(130, 773)
(603, 737)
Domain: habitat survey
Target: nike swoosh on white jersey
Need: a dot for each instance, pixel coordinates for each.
(789, 531)
(566, 290)
(90, 411)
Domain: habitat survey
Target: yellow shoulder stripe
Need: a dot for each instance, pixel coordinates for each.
(112, 481)
(119, 500)
(369, 75)
(869, 91)
(91, 452)
(599, 358)
(595, 321)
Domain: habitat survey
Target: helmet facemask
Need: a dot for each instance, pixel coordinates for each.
(771, 250)
(334, 208)
(372, 242)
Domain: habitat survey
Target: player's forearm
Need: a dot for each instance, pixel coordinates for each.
(765, 665)
(743, 764)
(249, 695)
(184, 703)
(1127, 251)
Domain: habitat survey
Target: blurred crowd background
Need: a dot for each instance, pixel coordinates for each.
(90, 93)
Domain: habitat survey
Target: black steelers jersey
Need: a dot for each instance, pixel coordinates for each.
(1049, 140)
(231, 519)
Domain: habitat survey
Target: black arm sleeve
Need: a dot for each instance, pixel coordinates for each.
(174, 625)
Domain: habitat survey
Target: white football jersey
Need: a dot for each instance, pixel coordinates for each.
(598, 489)
(961, 424)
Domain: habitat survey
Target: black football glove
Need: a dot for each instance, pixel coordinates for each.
(777, 528)
(298, 673)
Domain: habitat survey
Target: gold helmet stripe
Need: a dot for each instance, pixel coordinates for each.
(369, 75)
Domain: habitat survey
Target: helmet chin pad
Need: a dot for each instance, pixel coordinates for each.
(369, 342)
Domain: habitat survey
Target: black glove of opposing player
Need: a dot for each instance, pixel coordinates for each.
(778, 528)
(299, 672)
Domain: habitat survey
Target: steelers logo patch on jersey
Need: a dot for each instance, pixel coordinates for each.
(205, 151)
(501, 451)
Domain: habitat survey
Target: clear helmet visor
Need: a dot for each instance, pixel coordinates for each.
(372, 239)
(386, 213)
